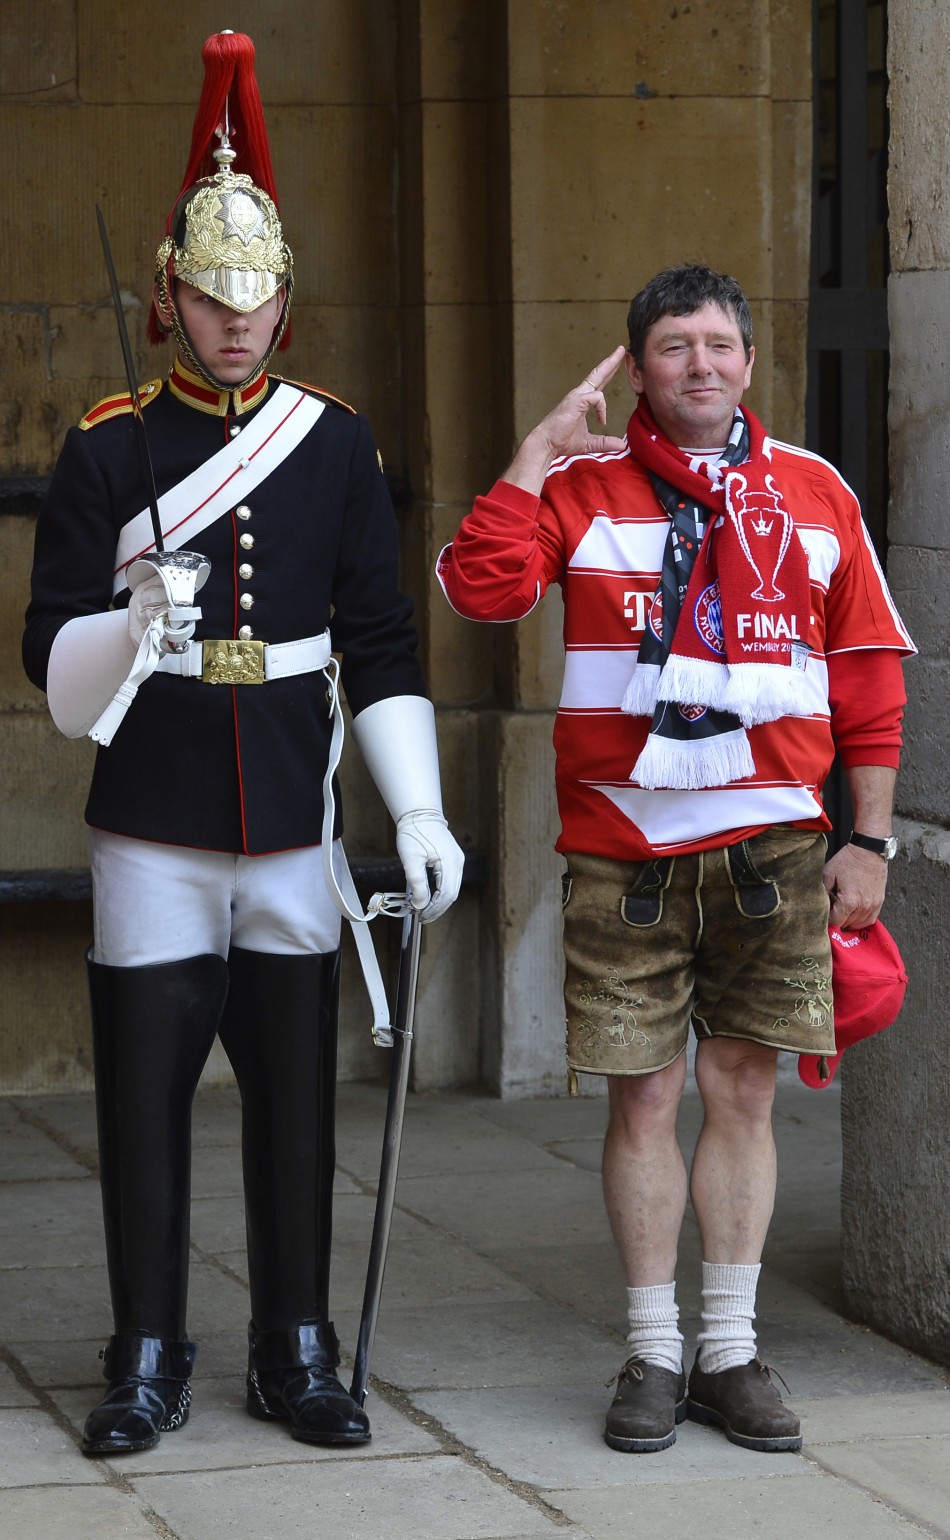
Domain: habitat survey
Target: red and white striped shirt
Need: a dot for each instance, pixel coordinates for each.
(599, 531)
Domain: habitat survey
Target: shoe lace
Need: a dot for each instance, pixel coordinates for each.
(768, 1370)
(629, 1371)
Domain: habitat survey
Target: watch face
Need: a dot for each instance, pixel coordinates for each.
(886, 848)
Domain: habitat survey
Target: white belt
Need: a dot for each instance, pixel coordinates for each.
(237, 662)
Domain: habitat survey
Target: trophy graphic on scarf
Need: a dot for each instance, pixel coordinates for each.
(762, 524)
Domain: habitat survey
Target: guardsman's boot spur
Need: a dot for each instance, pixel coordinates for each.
(291, 1377)
(149, 1394)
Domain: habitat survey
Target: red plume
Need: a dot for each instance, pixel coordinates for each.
(229, 83)
(229, 78)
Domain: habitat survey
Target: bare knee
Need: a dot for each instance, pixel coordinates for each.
(644, 1105)
(737, 1078)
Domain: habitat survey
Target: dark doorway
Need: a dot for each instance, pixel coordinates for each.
(846, 402)
(846, 406)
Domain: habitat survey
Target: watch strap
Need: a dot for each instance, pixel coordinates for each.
(880, 847)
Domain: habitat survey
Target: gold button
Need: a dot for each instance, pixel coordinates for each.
(247, 601)
(246, 634)
(243, 511)
(246, 542)
(245, 570)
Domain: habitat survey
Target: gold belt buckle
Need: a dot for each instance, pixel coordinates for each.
(232, 662)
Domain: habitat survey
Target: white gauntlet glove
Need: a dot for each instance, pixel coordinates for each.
(397, 740)
(97, 662)
(425, 846)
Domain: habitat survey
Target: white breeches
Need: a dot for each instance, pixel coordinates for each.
(162, 903)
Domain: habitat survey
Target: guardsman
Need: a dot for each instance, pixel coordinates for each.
(214, 846)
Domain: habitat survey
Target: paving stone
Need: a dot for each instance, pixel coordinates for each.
(911, 1474)
(829, 1356)
(216, 1118)
(589, 1279)
(75, 1513)
(72, 1117)
(66, 1302)
(509, 1211)
(585, 1154)
(444, 1136)
(845, 1419)
(70, 1363)
(217, 1222)
(219, 1434)
(502, 1314)
(57, 1301)
(27, 1154)
(550, 1122)
(50, 1224)
(794, 1507)
(12, 1393)
(421, 1265)
(36, 1452)
(553, 1437)
(393, 1500)
(509, 1344)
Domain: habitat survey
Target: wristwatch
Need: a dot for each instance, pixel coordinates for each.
(887, 849)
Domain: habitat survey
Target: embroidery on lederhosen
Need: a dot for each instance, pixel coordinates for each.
(614, 1005)
(814, 999)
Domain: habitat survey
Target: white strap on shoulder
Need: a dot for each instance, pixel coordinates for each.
(226, 478)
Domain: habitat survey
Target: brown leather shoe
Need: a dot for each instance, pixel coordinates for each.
(650, 1401)
(746, 1405)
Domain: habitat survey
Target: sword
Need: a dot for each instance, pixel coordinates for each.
(141, 437)
(182, 572)
(392, 1142)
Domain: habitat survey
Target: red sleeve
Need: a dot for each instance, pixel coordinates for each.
(867, 696)
(504, 556)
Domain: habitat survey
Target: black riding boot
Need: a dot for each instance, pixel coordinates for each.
(153, 1028)
(279, 1031)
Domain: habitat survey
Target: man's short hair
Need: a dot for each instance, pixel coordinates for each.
(681, 291)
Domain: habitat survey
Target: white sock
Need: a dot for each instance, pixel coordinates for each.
(727, 1338)
(654, 1337)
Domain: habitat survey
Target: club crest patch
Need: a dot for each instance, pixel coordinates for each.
(655, 616)
(707, 617)
(692, 713)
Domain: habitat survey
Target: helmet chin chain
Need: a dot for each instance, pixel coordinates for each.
(169, 308)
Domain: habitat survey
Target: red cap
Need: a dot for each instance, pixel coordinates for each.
(868, 980)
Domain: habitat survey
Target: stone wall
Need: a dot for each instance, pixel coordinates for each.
(472, 193)
(896, 1088)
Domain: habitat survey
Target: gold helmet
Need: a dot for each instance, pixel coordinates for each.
(223, 235)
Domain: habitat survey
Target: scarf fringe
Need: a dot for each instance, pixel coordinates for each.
(693, 682)
(760, 692)
(753, 692)
(694, 765)
(640, 695)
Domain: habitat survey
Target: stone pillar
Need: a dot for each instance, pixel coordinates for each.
(612, 134)
(896, 1088)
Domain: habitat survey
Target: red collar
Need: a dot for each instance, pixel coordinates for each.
(194, 391)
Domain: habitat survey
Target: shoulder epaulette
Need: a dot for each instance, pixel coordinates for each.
(316, 390)
(120, 405)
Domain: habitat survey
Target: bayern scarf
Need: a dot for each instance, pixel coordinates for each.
(724, 645)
